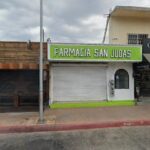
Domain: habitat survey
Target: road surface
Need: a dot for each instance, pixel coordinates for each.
(127, 138)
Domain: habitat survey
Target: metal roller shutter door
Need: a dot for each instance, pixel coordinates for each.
(79, 83)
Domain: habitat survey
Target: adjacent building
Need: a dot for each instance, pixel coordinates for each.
(131, 25)
(19, 73)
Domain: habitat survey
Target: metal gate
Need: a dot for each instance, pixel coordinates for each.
(19, 87)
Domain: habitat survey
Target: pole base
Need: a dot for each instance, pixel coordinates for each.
(41, 121)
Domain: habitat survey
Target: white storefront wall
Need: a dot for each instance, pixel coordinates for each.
(121, 94)
(87, 82)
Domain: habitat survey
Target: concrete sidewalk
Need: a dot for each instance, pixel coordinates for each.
(79, 118)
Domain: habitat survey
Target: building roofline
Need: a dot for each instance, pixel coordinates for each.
(133, 8)
(131, 11)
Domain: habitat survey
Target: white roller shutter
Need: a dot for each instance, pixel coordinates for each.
(79, 82)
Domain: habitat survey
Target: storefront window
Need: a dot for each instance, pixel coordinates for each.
(121, 79)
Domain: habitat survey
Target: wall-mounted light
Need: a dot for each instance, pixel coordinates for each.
(29, 44)
(115, 38)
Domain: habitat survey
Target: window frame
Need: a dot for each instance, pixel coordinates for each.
(118, 85)
(138, 38)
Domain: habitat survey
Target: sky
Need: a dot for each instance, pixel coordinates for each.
(71, 21)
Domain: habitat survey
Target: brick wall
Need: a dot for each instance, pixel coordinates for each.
(21, 55)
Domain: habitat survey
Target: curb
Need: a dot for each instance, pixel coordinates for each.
(65, 127)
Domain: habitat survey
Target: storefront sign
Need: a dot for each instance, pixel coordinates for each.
(91, 52)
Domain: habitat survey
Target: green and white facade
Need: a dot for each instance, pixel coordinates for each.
(84, 75)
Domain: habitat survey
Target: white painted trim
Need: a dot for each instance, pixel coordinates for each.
(51, 85)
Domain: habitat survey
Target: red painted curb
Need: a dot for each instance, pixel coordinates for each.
(64, 127)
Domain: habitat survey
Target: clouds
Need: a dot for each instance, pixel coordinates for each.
(64, 20)
(77, 20)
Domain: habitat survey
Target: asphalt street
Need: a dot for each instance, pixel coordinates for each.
(126, 138)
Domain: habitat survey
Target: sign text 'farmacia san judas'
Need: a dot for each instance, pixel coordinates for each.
(93, 52)
(86, 52)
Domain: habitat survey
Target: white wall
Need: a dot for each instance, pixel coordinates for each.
(120, 94)
(112, 67)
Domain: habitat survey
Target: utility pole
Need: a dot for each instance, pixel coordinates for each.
(106, 27)
(41, 119)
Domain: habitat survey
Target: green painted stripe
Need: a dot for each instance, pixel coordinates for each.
(56, 105)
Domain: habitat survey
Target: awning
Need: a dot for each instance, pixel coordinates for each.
(147, 56)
